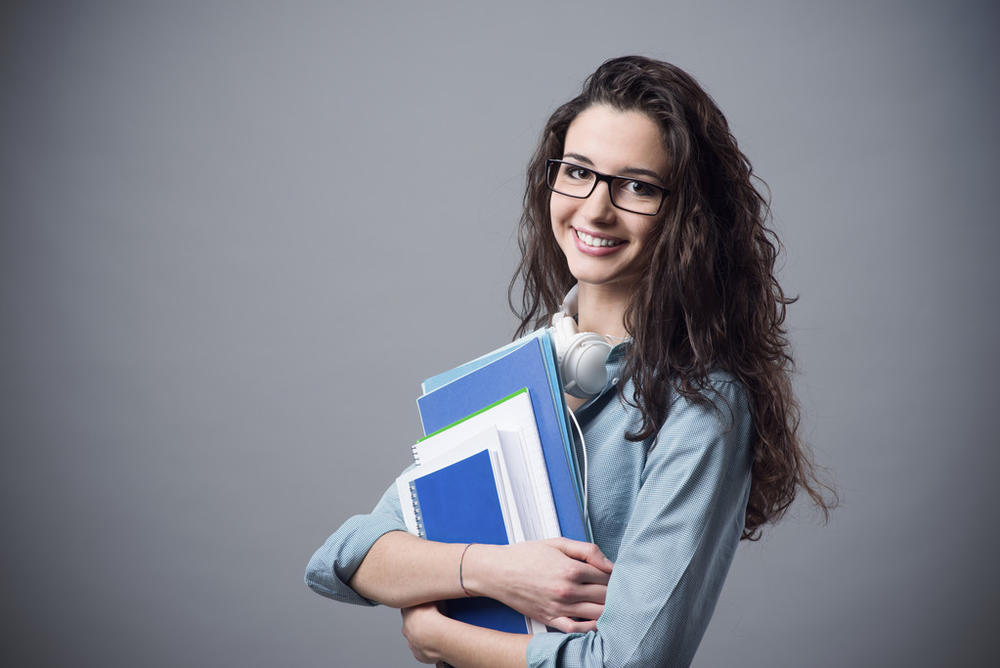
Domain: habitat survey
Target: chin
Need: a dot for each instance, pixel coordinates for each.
(604, 280)
(595, 275)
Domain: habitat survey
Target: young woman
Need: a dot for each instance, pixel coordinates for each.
(639, 196)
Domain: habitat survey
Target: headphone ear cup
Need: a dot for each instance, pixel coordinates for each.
(581, 358)
(585, 365)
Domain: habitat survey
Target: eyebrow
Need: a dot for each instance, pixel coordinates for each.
(631, 171)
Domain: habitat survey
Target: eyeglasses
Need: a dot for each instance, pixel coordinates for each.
(628, 194)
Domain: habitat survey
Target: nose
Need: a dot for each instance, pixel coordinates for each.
(598, 207)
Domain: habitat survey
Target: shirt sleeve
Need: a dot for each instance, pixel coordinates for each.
(678, 543)
(333, 564)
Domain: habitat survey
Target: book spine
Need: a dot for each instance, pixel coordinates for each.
(415, 502)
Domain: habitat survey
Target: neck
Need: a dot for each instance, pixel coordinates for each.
(601, 309)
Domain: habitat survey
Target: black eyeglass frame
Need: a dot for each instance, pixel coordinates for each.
(607, 178)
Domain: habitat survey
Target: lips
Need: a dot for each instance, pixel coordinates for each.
(596, 245)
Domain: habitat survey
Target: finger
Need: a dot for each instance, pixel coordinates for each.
(586, 552)
(584, 611)
(583, 573)
(579, 573)
(590, 575)
(587, 593)
(567, 625)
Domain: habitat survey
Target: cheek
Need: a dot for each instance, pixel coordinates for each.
(559, 210)
(647, 237)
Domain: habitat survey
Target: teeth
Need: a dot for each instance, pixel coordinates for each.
(594, 241)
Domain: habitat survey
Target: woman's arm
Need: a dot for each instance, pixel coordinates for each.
(434, 638)
(552, 581)
(370, 559)
(401, 570)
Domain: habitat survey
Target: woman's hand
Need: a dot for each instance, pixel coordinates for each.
(419, 625)
(555, 581)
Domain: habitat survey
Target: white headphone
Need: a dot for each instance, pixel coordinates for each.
(581, 355)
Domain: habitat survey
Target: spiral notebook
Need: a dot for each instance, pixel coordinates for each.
(465, 496)
(433, 488)
(513, 420)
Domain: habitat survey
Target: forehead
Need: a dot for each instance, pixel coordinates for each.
(615, 140)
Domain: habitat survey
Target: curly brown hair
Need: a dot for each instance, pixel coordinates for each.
(709, 298)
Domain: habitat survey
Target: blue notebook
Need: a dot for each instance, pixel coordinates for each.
(459, 504)
(498, 375)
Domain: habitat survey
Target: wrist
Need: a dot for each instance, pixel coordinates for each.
(434, 634)
(427, 631)
(461, 578)
(476, 569)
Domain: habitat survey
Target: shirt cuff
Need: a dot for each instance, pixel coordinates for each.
(335, 563)
(544, 648)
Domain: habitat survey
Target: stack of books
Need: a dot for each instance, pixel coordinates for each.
(497, 465)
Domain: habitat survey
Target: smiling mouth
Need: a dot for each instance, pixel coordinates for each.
(596, 242)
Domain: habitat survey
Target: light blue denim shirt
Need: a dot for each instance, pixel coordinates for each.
(668, 511)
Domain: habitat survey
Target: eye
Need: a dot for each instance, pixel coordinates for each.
(639, 188)
(578, 173)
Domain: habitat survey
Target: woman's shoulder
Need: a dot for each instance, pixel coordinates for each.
(719, 395)
(717, 383)
(719, 376)
(713, 424)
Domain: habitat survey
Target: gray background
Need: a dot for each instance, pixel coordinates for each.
(235, 237)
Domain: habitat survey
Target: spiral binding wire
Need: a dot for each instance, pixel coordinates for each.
(416, 510)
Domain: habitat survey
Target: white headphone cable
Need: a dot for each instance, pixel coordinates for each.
(583, 447)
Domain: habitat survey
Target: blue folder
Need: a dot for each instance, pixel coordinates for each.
(459, 504)
(493, 377)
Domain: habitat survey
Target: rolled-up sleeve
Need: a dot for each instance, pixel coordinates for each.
(678, 543)
(333, 564)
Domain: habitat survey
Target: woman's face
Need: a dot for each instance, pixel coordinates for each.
(619, 143)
